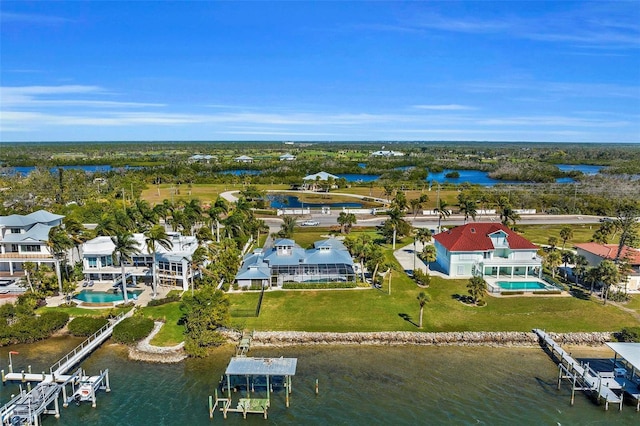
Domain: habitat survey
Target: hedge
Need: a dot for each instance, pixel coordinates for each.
(511, 293)
(28, 329)
(132, 330)
(86, 326)
(315, 286)
(548, 292)
(171, 297)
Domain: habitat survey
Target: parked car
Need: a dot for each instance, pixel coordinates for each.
(310, 223)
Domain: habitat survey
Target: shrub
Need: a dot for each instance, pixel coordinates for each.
(547, 292)
(630, 334)
(86, 326)
(171, 297)
(132, 330)
(511, 293)
(315, 286)
(51, 321)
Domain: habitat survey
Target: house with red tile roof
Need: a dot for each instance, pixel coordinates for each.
(487, 250)
(596, 253)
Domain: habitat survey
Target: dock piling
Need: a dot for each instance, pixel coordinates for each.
(316, 386)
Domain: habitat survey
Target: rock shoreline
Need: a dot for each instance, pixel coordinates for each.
(144, 351)
(400, 338)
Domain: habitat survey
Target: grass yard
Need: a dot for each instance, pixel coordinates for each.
(82, 312)
(207, 193)
(539, 234)
(375, 310)
(172, 332)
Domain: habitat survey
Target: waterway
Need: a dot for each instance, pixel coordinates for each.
(358, 385)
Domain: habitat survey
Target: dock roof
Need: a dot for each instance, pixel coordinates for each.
(629, 351)
(247, 366)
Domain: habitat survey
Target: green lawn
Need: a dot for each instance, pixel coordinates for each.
(539, 234)
(172, 332)
(375, 310)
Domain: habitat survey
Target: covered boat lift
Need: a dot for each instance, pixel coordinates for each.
(626, 368)
(249, 367)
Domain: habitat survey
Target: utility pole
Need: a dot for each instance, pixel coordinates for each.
(124, 204)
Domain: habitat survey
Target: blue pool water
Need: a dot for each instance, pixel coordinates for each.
(90, 296)
(521, 285)
(290, 201)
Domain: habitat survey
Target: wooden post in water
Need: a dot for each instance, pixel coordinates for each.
(3, 378)
(24, 379)
(211, 403)
(316, 386)
(65, 403)
(93, 397)
(106, 378)
(559, 376)
(57, 407)
(573, 389)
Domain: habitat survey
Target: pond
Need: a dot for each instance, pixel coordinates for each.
(358, 178)
(291, 201)
(240, 172)
(587, 169)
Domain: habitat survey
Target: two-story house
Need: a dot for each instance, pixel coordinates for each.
(23, 238)
(486, 249)
(173, 266)
(596, 253)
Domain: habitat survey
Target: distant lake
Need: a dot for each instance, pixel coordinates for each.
(477, 177)
(359, 178)
(89, 169)
(587, 169)
(291, 201)
(239, 172)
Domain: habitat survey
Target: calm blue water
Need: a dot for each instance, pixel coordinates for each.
(291, 201)
(587, 169)
(471, 176)
(358, 385)
(239, 172)
(359, 178)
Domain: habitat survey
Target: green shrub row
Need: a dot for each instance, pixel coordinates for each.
(296, 286)
(29, 328)
(132, 330)
(175, 297)
(547, 292)
(86, 326)
(511, 293)
(629, 334)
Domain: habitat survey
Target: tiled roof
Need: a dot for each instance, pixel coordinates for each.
(475, 237)
(609, 251)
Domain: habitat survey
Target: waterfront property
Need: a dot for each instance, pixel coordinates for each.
(24, 238)
(610, 382)
(314, 182)
(596, 253)
(287, 157)
(199, 158)
(528, 285)
(257, 376)
(327, 261)
(172, 265)
(487, 250)
(243, 159)
(383, 153)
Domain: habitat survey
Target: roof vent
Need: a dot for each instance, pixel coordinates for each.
(473, 230)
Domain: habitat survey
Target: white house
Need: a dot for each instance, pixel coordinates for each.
(23, 238)
(310, 181)
(596, 253)
(287, 157)
(486, 249)
(243, 159)
(387, 154)
(173, 265)
(199, 158)
(285, 261)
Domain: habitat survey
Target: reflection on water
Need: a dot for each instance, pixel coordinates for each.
(359, 385)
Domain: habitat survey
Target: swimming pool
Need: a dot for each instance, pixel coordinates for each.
(521, 285)
(90, 296)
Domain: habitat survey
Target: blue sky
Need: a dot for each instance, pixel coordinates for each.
(335, 71)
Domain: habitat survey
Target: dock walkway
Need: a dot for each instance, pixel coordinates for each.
(602, 385)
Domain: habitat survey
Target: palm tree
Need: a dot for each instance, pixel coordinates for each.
(107, 225)
(423, 299)
(592, 277)
(553, 260)
(468, 207)
(477, 287)
(346, 221)
(59, 243)
(507, 214)
(609, 275)
(156, 236)
(442, 212)
(125, 247)
(428, 254)
(288, 226)
(566, 233)
(580, 267)
(424, 235)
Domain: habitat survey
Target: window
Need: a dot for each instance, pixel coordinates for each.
(31, 248)
(15, 230)
(92, 262)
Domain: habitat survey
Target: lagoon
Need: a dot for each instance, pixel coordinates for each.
(359, 385)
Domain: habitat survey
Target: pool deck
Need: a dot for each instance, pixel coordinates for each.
(498, 291)
(143, 298)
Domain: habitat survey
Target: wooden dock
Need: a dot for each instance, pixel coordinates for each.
(28, 406)
(244, 344)
(603, 386)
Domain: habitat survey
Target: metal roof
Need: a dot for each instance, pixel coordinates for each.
(629, 351)
(40, 216)
(38, 232)
(246, 366)
(321, 175)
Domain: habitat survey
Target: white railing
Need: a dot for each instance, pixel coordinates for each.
(82, 346)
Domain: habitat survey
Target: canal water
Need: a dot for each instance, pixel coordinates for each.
(359, 385)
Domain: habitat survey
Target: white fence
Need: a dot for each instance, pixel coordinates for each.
(300, 211)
